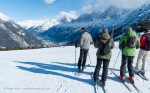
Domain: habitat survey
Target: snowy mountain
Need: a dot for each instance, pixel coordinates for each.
(94, 22)
(52, 70)
(88, 17)
(4, 17)
(111, 12)
(135, 18)
(114, 12)
(43, 25)
(112, 18)
(12, 35)
(31, 23)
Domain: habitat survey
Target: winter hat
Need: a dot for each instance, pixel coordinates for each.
(83, 29)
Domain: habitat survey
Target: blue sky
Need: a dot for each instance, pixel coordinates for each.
(21, 10)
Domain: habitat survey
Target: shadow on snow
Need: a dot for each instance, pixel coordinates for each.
(43, 68)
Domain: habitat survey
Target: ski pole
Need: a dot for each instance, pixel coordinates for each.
(116, 59)
(89, 58)
(75, 57)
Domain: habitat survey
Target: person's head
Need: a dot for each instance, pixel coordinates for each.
(83, 29)
(105, 34)
(129, 29)
(105, 30)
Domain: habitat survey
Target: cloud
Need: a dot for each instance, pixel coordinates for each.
(101, 5)
(68, 15)
(49, 1)
(129, 3)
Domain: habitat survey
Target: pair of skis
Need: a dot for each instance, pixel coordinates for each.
(142, 76)
(124, 83)
(98, 84)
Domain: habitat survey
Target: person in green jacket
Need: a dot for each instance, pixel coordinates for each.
(103, 58)
(128, 43)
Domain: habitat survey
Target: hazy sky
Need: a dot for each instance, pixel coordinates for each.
(20, 10)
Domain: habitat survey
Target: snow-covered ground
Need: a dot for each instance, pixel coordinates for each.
(52, 70)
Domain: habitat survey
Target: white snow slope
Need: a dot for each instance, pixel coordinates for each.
(52, 70)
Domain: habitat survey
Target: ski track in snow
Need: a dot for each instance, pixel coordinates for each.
(63, 87)
(51, 70)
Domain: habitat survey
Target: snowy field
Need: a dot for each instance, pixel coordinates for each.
(52, 70)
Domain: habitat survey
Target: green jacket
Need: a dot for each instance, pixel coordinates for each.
(122, 44)
(103, 38)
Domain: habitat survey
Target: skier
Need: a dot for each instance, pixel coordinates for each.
(128, 44)
(85, 41)
(144, 51)
(102, 41)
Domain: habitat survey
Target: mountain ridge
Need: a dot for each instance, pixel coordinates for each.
(112, 20)
(13, 35)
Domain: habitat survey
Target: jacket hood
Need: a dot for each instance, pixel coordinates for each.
(105, 30)
(130, 32)
(105, 34)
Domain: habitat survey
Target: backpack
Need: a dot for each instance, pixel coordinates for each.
(147, 43)
(105, 49)
(131, 42)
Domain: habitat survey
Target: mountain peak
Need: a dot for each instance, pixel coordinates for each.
(114, 12)
(4, 17)
(31, 23)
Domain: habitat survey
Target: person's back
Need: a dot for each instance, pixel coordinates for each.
(123, 44)
(101, 41)
(103, 58)
(145, 41)
(128, 44)
(143, 53)
(85, 40)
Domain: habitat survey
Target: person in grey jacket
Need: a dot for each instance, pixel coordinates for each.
(85, 41)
